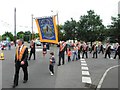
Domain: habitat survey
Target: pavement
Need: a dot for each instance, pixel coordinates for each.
(0, 75)
(70, 75)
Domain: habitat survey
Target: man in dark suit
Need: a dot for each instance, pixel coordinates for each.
(117, 52)
(61, 53)
(32, 51)
(108, 50)
(85, 50)
(21, 62)
(101, 48)
(94, 48)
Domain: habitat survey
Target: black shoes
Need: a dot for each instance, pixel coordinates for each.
(58, 65)
(25, 81)
(14, 86)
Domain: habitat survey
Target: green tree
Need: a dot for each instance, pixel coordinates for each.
(90, 27)
(8, 34)
(20, 35)
(27, 36)
(61, 33)
(0, 38)
(70, 29)
(36, 35)
(114, 29)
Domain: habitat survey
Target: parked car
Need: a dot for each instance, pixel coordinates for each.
(29, 41)
(3, 45)
(38, 43)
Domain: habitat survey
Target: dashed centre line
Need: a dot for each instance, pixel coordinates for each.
(85, 72)
(84, 68)
(84, 64)
(38, 50)
(86, 80)
(83, 61)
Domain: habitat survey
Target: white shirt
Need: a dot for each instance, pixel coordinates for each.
(21, 48)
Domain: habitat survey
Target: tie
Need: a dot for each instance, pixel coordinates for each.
(19, 50)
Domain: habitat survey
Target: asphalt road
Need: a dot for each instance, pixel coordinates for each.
(69, 75)
(111, 80)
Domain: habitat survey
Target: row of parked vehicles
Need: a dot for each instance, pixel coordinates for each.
(5, 44)
(37, 42)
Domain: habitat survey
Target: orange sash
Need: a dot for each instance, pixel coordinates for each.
(19, 57)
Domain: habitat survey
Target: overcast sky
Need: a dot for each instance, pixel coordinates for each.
(39, 8)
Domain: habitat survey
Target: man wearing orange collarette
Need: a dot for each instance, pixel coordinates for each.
(21, 62)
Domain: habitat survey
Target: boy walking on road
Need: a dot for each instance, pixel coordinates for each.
(52, 63)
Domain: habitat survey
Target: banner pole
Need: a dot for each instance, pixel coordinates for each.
(58, 25)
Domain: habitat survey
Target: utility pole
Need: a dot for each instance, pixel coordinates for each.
(58, 24)
(57, 19)
(15, 26)
(32, 27)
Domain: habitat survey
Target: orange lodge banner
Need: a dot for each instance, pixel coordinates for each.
(47, 29)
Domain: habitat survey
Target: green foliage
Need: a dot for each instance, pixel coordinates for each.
(20, 35)
(8, 34)
(70, 29)
(61, 33)
(27, 36)
(90, 27)
(0, 38)
(114, 29)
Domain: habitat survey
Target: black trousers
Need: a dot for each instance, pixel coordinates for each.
(69, 59)
(61, 56)
(101, 51)
(17, 69)
(31, 55)
(116, 53)
(94, 54)
(78, 54)
(51, 68)
(107, 53)
(85, 52)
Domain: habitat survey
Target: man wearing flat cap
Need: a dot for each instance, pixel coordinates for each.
(21, 62)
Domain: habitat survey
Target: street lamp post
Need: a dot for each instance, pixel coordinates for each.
(15, 26)
(32, 26)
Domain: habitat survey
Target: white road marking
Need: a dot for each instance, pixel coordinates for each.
(83, 64)
(37, 50)
(85, 73)
(86, 80)
(104, 75)
(84, 68)
(83, 61)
